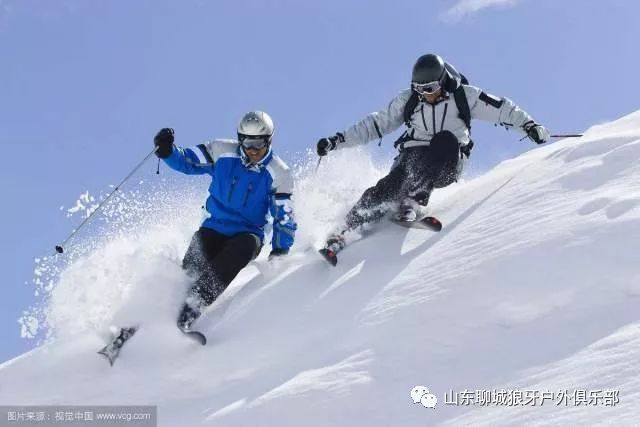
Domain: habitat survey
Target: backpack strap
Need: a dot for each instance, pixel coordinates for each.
(463, 105)
(409, 107)
(459, 96)
(406, 136)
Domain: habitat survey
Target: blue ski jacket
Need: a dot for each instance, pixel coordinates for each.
(241, 195)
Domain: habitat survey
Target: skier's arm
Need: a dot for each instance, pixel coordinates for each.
(281, 208)
(191, 161)
(284, 226)
(376, 125)
(200, 159)
(490, 108)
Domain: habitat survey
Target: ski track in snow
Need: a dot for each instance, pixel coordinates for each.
(533, 284)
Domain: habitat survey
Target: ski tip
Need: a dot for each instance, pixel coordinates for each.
(199, 337)
(102, 352)
(433, 223)
(329, 255)
(195, 335)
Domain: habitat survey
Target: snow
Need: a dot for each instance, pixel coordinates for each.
(533, 285)
(85, 203)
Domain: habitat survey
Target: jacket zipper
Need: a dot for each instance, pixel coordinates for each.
(443, 116)
(246, 195)
(433, 118)
(424, 122)
(233, 185)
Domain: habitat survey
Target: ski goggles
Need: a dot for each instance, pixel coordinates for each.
(252, 142)
(428, 88)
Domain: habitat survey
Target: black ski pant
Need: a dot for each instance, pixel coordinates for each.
(414, 174)
(215, 260)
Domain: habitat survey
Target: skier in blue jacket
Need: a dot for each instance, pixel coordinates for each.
(248, 182)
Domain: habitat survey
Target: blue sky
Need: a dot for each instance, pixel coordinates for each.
(86, 84)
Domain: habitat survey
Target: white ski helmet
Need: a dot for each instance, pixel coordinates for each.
(255, 124)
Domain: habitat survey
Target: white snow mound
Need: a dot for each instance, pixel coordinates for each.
(532, 286)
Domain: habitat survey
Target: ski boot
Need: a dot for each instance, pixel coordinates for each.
(408, 211)
(188, 315)
(406, 214)
(335, 243)
(112, 350)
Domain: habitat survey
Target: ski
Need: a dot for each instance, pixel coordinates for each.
(337, 242)
(429, 223)
(112, 350)
(197, 336)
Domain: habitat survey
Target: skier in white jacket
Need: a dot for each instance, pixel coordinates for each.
(436, 110)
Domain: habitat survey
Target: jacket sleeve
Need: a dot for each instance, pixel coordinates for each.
(281, 208)
(376, 125)
(191, 161)
(490, 108)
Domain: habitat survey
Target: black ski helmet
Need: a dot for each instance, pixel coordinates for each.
(429, 68)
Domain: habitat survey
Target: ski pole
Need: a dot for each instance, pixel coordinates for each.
(60, 248)
(318, 165)
(571, 135)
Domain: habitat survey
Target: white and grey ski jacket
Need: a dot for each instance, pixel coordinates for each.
(428, 119)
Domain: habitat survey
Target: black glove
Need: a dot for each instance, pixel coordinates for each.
(164, 142)
(277, 253)
(327, 144)
(537, 133)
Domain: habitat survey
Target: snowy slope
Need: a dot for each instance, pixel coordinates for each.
(534, 284)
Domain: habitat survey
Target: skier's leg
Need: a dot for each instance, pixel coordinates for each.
(417, 186)
(233, 255)
(445, 154)
(204, 246)
(438, 166)
(376, 201)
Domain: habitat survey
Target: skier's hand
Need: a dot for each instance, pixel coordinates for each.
(164, 142)
(277, 253)
(537, 133)
(325, 145)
